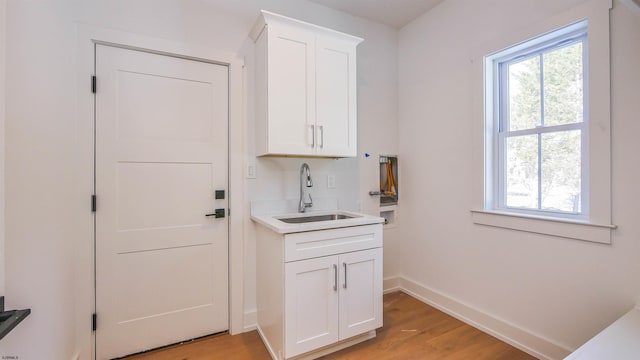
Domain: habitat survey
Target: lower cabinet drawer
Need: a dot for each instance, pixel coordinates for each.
(311, 244)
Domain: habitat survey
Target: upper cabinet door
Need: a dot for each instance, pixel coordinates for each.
(336, 102)
(305, 89)
(291, 91)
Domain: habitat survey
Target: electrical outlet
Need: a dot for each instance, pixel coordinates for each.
(331, 181)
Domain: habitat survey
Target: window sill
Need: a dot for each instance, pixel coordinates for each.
(571, 229)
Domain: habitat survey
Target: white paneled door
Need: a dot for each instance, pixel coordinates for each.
(161, 154)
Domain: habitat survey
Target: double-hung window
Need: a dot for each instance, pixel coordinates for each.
(545, 140)
(541, 126)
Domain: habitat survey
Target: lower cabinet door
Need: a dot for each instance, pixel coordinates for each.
(311, 304)
(360, 292)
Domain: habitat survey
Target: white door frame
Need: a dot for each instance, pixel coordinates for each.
(84, 265)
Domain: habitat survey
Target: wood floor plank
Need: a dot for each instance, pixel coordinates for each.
(412, 330)
(224, 346)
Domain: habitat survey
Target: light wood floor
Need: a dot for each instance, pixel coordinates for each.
(412, 330)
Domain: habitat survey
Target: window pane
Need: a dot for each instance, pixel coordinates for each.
(561, 162)
(524, 94)
(521, 176)
(563, 85)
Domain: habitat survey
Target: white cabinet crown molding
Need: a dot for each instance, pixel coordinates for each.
(267, 17)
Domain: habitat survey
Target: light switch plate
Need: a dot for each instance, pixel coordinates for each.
(251, 170)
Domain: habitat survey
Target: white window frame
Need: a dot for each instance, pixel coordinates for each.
(499, 86)
(594, 224)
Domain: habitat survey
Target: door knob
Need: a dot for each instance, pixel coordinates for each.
(218, 213)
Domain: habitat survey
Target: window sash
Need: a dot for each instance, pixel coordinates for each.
(502, 126)
(501, 192)
(555, 42)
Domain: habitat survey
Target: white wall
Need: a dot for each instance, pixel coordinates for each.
(40, 179)
(3, 8)
(378, 129)
(46, 212)
(562, 290)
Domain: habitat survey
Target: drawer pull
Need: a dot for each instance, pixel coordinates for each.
(335, 277)
(345, 275)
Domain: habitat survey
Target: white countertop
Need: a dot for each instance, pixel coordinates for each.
(619, 341)
(270, 221)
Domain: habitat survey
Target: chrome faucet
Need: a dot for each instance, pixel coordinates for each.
(305, 176)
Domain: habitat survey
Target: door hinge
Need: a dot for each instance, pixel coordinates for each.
(228, 212)
(94, 321)
(93, 84)
(93, 203)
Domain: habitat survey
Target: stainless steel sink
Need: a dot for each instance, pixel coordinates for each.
(314, 218)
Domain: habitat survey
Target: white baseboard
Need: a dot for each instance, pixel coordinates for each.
(516, 336)
(250, 320)
(267, 344)
(336, 347)
(391, 284)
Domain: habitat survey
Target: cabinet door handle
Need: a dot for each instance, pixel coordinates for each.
(345, 275)
(313, 136)
(321, 136)
(335, 277)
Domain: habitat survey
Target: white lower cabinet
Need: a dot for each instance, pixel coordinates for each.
(325, 300)
(332, 298)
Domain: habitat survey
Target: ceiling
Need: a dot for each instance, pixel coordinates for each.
(634, 5)
(396, 13)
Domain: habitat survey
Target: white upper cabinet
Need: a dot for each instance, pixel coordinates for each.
(305, 89)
